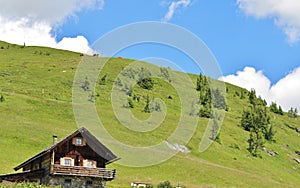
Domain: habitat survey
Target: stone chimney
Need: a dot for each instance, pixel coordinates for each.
(54, 139)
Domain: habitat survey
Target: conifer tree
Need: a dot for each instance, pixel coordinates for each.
(256, 120)
(147, 107)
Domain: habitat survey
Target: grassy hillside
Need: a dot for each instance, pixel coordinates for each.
(37, 83)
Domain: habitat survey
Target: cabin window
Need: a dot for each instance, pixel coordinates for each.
(67, 162)
(68, 181)
(78, 141)
(89, 182)
(90, 163)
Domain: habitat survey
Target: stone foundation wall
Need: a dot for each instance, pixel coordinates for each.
(74, 182)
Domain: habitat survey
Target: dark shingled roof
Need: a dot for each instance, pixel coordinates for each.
(91, 141)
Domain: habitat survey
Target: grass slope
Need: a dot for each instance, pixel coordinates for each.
(37, 85)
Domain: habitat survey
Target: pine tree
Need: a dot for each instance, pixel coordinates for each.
(280, 111)
(273, 107)
(276, 109)
(219, 100)
(293, 112)
(147, 107)
(247, 119)
(199, 82)
(165, 73)
(256, 120)
(242, 94)
(256, 142)
(270, 134)
(252, 96)
(205, 97)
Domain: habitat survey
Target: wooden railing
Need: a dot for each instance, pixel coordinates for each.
(105, 173)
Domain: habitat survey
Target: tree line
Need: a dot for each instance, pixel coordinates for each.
(256, 120)
(209, 98)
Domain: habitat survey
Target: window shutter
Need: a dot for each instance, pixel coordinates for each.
(94, 164)
(83, 142)
(62, 161)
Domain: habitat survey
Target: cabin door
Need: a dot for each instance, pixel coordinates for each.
(77, 160)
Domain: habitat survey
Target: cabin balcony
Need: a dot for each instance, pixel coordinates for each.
(104, 173)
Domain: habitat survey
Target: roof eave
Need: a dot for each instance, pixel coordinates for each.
(111, 161)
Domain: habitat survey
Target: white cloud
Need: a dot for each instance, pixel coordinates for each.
(52, 12)
(173, 6)
(33, 22)
(249, 78)
(78, 44)
(284, 12)
(285, 92)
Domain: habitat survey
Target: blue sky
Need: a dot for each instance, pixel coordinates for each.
(256, 43)
(236, 40)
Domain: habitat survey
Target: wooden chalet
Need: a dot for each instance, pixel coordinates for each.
(79, 160)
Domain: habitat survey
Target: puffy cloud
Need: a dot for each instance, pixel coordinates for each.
(51, 12)
(249, 78)
(173, 6)
(285, 92)
(33, 22)
(78, 44)
(284, 12)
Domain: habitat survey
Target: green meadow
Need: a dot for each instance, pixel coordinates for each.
(36, 83)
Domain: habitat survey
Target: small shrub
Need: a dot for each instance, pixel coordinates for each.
(165, 74)
(218, 139)
(130, 103)
(242, 95)
(236, 94)
(103, 80)
(136, 98)
(157, 107)
(92, 98)
(146, 83)
(2, 99)
(128, 90)
(205, 111)
(23, 185)
(165, 184)
(86, 84)
(118, 82)
(234, 146)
